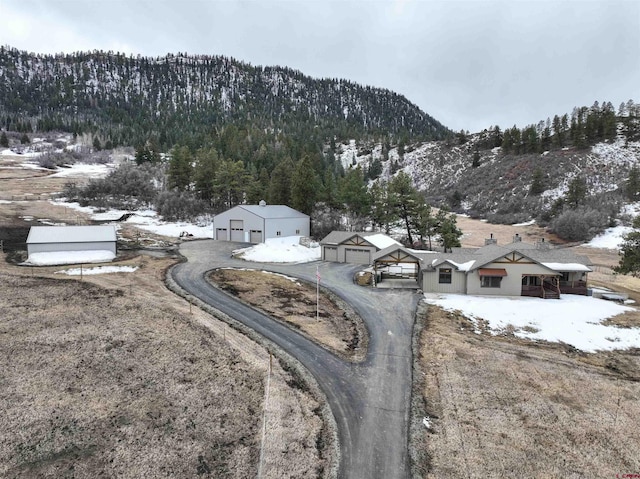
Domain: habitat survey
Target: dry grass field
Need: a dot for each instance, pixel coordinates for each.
(507, 407)
(503, 407)
(124, 379)
(338, 328)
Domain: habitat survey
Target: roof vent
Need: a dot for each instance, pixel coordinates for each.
(517, 238)
(262, 203)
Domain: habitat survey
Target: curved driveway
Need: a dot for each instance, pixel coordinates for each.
(369, 400)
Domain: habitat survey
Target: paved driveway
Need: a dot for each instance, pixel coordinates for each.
(370, 400)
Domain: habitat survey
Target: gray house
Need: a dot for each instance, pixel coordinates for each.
(352, 247)
(55, 239)
(515, 269)
(256, 223)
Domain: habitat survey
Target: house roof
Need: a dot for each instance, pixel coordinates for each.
(379, 240)
(71, 234)
(273, 211)
(554, 259)
(393, 248)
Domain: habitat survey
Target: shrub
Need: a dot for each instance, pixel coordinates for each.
(580, 224)
(179, 205)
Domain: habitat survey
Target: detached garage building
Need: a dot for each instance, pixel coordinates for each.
(47, 244)
(256, 223)
(351, 247)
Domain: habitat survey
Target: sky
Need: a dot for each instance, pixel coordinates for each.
(469, 64)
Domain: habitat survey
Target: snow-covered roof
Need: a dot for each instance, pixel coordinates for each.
(379, 240)
(568, 267)
(71, 234)
(382, 241)
(273, 211)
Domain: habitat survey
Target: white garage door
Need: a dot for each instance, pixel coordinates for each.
(221, 234)
(330, 253)
(237, 230)
(357, 256)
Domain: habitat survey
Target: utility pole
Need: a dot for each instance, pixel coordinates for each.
(317, 294)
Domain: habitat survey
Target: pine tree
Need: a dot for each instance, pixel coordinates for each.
(630, 252)
(24, 139)
(206, 165)
(406, 201)
(448, 230)
(576, 193)
(97, 146)
(382, 212)
(280, 183)
(476, 159)
(632, 188)
(537, 182)
(304, 187)
(353, 194)
(4, 141)
(180, 170)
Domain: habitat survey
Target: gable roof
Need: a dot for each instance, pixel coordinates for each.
(71, 234)
(379, 240)
(273, 211)
(554, 259)
(397, 248)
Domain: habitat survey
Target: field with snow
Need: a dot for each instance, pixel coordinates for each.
(575, 320)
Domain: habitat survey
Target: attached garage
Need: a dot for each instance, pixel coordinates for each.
(355, 248)
(330, 253)
(357, 255)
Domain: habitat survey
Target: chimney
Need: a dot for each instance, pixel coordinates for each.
(540, 244)
(490, 240)
(517, 238)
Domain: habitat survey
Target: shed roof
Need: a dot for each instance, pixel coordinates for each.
(71, 234)
(273, 211)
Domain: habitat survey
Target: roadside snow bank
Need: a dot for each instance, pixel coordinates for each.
(279, 250)
(98, 270)
(575, 320)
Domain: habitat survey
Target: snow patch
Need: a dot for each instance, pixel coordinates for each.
(69, 257)
(575, 320)
(98, 270)
(279, 250)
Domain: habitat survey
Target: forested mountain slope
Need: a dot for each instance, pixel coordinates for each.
(127, 99)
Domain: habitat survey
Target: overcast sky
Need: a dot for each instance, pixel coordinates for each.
(469, 64)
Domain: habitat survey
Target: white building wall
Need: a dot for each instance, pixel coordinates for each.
(250, 221)
(53, 247)
(286, 227)
(511, 285)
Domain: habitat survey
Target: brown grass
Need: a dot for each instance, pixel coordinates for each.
(125, 379)
(294, 302)
(507, 408)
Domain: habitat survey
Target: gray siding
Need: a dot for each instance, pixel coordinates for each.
(286, 227)
(511, 285)
(268, 226)
(431, 284)
(249, 222)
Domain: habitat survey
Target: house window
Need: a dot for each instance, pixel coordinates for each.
(278, 233)
(445, 276)
(490, 281)
(297, 232)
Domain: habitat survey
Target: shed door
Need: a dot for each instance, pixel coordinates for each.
(221, 234)
(255, 236)
(357, 256)
(237, 230)
(330, 253)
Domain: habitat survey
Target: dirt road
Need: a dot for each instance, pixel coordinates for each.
(369, 400)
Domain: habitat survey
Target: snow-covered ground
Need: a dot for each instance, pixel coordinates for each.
(612, 238)
(574, 320)
(279, 250)
(147, 220)
(82, 170)
(98, 270)
(69, 257)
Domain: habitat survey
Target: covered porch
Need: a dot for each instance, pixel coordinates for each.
(546, 286)
(395, 267)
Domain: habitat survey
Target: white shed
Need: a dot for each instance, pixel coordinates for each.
(63, 244)
(256, 223)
